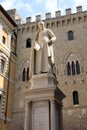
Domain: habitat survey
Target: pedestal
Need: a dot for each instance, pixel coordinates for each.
(43, 80)
(46, 99)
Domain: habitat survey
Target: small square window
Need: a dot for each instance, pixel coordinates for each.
(28, 43)
(70, 35)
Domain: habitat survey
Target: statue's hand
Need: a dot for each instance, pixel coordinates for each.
(50, 42)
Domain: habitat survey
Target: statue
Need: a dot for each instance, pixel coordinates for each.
(43, 49)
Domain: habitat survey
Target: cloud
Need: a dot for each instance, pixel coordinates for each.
(51, 6)
(38, 1)
(7, 4)
(82, 3)
(22, 7)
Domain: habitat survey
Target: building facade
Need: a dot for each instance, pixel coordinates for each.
(71, 69)
(7, 68)
(70, 51)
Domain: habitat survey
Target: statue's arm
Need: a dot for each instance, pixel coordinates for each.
(52, 37)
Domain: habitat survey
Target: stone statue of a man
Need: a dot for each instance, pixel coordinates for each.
(43, 49)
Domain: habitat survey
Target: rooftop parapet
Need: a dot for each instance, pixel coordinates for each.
(79, 9)
(28, 19)
(38, 17)
(48, 15)
(68, 11)
(57, 13)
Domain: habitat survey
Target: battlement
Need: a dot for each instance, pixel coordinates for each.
(57, 14)
(57, 22)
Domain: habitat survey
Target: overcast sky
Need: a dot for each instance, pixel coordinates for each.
(27, 8)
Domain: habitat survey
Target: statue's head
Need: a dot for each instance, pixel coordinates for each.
(41, 24)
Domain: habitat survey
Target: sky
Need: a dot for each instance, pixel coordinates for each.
(31, 8)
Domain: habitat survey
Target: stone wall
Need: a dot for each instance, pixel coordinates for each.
(74, 116)
(18, 121)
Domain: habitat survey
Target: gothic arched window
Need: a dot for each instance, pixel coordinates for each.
(70, 35)
(68, 69)
(73, 68)
(28, 43)
(24, 75)
(77, 67)
(75, 98)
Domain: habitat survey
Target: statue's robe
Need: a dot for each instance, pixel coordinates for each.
(39, 59)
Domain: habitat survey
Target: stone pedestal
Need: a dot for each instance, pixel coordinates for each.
(42, 104)
(43, 80)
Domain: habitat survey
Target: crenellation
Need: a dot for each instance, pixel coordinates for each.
(48, 15)
(79, 9)
(72, 18)
(55, 22)
(58, 13)
(28, 20)
(38, 18)
(68, 11)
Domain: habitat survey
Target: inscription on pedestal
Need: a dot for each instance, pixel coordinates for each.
(40, 115)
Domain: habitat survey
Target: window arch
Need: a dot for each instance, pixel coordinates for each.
(70, 35)
(77, 67)
(75, 98)
(68, 68)
(28, 43)
(23, 76)
(25, 70)
(73, 68)
(27, 73)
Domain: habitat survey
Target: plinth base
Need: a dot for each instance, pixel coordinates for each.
(43, 80)
(43, 109)
(43, 104)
